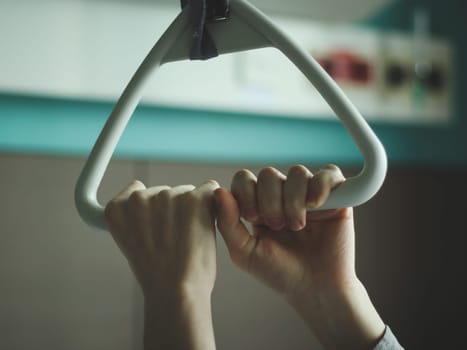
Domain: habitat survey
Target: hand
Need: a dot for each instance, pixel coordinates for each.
(291, 250)
(306, 256)
(168, 237)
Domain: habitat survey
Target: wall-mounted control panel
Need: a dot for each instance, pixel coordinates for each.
(382, 73)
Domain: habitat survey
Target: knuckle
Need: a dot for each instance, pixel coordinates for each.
(111, 209)
(243, 175)
(137, 199)
(298, 171)
(163, 197)
(268, 172)
(162, 203)
(188, 198)
(136, 183)
(187, 201)
(330, 174)
(243, 183)
(212, 183)
(332, 167)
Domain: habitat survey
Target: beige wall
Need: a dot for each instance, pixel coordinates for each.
(63, 286)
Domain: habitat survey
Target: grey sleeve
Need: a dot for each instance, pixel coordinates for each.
(388, 342)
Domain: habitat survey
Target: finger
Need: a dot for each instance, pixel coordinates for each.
(295, 191)
(139, 199)
(164, 201)
(133, 186)
(206, 192)
(244, 190)
(155, 190)
(181, 189)
(113, 210)
(159, 199)
(235, 234)
(269, 197)
(116, 215)
(321, 185)
(207, 188)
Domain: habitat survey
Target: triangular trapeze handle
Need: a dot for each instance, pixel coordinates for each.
(247, 28)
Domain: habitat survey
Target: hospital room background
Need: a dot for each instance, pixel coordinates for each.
(63, 65)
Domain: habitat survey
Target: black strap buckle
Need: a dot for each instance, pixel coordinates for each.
(202, 12)
(217, 10)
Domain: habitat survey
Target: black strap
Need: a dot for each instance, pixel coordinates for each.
(203, 11)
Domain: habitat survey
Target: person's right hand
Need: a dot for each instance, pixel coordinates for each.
(309, 257)
(291, 250)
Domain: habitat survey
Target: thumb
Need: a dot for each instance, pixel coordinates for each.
(236, 236)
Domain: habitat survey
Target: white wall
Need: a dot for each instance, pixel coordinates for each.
(89, 50)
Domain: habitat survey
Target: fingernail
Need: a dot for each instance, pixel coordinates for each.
(312, 204)
(275, 224)
(295, 225)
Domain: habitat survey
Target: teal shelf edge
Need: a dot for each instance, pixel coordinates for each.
(70, 127)
(54, 126)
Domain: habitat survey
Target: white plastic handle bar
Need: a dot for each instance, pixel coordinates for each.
(247, 28)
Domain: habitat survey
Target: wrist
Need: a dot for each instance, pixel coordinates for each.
(184, 301)
(342, 317)
(175, 290)
(181, 320)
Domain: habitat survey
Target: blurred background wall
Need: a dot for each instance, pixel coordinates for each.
(63, 286)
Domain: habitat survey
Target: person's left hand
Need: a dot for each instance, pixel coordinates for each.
(167, 235)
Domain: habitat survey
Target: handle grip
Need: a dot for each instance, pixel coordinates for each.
(247, 28)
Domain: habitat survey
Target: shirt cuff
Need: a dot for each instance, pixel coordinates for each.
(388, 341)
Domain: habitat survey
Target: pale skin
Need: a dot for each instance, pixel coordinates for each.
(168, 237)
(308, 257)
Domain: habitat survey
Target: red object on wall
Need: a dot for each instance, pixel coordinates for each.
(345, 66)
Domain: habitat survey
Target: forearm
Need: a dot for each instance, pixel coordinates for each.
(342, 318)
(178, 322)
